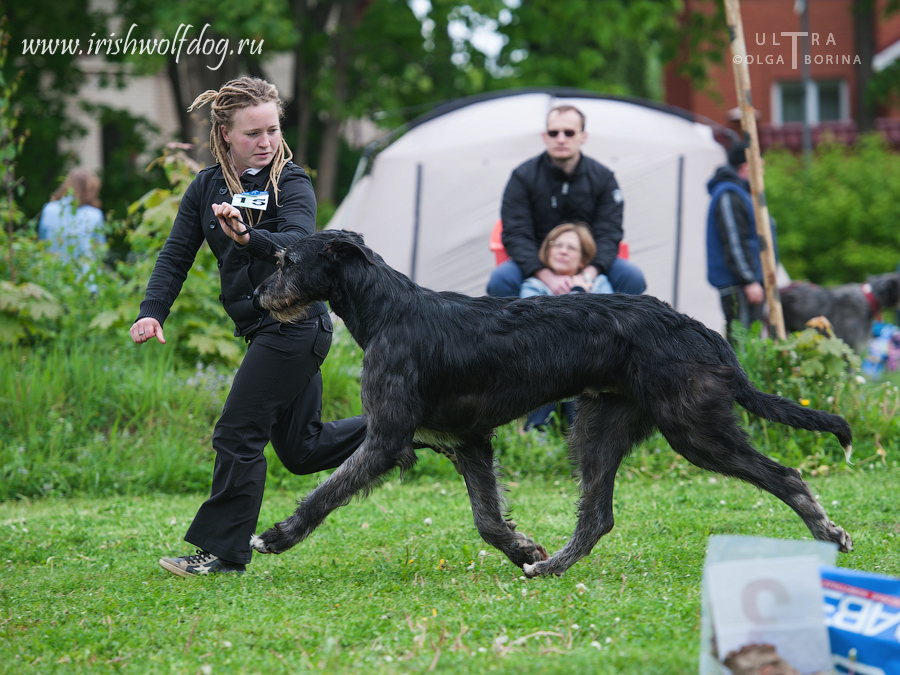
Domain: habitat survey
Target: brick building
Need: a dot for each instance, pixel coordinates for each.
(775, 63)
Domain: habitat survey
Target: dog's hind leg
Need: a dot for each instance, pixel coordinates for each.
(476, 462)
(605, 430)
(358, 475)
(717, 443)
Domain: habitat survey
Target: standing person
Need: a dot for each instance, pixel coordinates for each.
(558, 186)
(72, 220)
(732, 244)
(249, 205)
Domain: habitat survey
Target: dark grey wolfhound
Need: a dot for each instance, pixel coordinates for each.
(443, 370)
(850, 308)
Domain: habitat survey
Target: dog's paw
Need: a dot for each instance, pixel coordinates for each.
(529, 570)
(526, 551)
(258, 544)
(840, 537)
(270, 541)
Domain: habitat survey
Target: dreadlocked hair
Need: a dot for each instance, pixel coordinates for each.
(243, 92)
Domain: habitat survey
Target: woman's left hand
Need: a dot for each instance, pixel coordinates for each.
(232, 223)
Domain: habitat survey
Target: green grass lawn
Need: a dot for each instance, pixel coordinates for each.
(399, 582)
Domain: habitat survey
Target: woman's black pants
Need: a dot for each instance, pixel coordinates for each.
(277, 396)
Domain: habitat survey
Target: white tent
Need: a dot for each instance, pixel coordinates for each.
(431, 197)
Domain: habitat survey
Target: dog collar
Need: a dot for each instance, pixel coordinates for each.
(870, 298)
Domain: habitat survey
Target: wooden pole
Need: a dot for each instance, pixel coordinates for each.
(754, 159)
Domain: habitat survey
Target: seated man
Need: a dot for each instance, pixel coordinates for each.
(562, 185)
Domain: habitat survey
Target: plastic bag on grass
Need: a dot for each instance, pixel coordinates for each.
(764, 591)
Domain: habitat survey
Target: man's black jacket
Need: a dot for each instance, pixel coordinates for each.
(540, 196)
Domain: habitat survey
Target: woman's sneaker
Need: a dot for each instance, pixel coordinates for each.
(201, 563)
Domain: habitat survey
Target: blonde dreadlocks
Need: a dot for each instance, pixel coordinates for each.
(243, 92)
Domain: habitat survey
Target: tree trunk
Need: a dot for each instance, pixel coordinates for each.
(864, 37)
(302, 103)
(189, 78)
(184, 118)
(326, 183)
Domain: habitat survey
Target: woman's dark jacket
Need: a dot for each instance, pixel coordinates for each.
(241, 268)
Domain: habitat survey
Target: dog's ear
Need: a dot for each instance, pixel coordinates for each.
(339, 248)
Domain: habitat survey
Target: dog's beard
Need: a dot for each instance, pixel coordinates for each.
(293, 312)
(284, 308)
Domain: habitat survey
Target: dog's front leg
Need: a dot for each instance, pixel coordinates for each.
(606, 427)
(362, 472)
(477, 468)
(595, 519)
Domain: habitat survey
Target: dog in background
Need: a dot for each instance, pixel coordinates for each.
(443, 370)
(851, 308)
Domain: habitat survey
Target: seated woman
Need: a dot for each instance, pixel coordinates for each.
(567, 250)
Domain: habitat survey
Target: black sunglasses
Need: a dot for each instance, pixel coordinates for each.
(568, 132)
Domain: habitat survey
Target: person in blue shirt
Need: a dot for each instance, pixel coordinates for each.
(72, 221)
(732, 243)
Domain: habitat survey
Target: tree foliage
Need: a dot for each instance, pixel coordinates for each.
(46, 80)
(354, 58)
(607, 45)
(837, 222)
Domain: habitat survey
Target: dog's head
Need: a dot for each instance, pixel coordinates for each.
(342, 245)
(886, 289)
(306, 271)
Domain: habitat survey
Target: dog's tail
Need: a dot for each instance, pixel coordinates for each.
(791, 413)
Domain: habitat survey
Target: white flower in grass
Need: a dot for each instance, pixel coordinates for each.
(581, 588)
(428, 521)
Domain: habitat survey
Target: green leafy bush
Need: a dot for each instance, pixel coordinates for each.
(823, 373)
(57, 301)
(837, 222)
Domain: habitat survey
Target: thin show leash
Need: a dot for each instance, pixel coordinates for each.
(240, 234)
